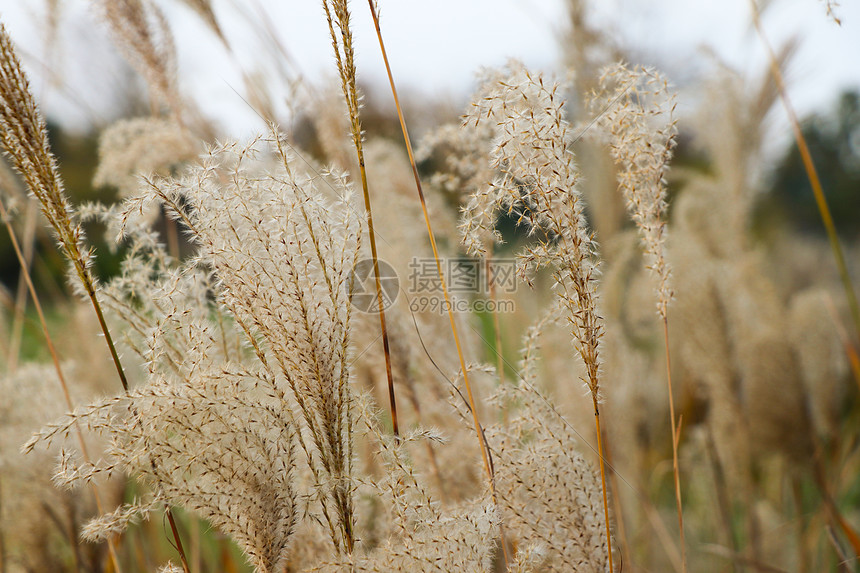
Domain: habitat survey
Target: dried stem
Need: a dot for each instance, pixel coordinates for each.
(178, 540)
(463, 369)
(676, 434)
(811, 173)
(603, 480)
(344, 54)
(613, 482)
(24, 138)
(485, 455)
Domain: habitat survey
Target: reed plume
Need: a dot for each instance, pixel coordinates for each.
(213, 429)
(636, 109)
(140, 30)
(538, 185)
(25, 141)
(637, 119)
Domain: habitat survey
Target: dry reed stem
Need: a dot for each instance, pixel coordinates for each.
(613, 482)
(178, 540)
(346, 69)
(830, 227)
(421, 198)
(811, 172)
(643, 153)
(603, 480)
(477, 424)
(25, 140)
(850, 351)
(676, 435)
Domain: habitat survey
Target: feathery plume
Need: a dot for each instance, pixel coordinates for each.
(24, 139)
(140, 30)
(637, 119)
(537, 183)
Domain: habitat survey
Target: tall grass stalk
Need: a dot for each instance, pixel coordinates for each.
(345, 56)
(485, 455)
(811, 171)
(421, 198)
(833, 237)
(676, 436)
(536, 181)
(602, 478)
(25, 141)
(636, 117)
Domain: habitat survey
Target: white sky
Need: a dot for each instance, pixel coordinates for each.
(436, 46)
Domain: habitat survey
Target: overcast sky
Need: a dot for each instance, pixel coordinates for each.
(436, 46)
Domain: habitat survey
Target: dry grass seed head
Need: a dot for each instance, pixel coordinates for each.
(140, 146)
(141, 31)
(24, 139)
(636, 117)
(537, 183)
(550, 497)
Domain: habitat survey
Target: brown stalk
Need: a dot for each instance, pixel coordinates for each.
(676, 436)
(602, 479)
(407, 141)
(346, 67)
(613, 481)
(811, 173)
(827, 220)
(178, 540)
(25, 274)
